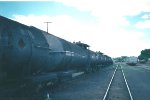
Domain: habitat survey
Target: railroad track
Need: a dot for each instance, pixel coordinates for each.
(118, 88)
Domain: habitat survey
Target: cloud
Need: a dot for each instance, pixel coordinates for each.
(146, 16)
(111, 13)
(114, 7)
(143, 24)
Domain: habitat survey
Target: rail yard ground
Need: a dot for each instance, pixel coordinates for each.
(93, 86)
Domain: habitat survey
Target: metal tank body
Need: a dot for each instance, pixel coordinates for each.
(30, 51)
(26, 51)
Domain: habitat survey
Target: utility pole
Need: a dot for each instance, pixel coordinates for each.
(47, 25)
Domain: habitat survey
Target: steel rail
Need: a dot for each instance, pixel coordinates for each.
(109, 84)
(127, 84)
(106, 93)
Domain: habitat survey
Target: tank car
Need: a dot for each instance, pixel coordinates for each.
(26, 51)
(30, 55)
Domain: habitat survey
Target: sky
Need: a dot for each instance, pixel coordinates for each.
(114, 27)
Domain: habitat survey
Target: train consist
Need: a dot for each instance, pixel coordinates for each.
(30, 53)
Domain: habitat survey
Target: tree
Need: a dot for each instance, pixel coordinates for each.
(145, 55)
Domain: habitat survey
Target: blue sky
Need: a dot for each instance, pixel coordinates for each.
(117, 28)
(8, 9)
